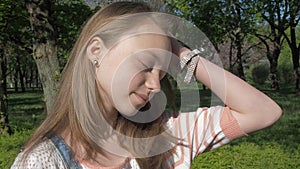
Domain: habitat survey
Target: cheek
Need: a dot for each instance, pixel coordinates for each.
(123, 84)
(137, 81)
(104, 77)
(122, 81)
(127, 76)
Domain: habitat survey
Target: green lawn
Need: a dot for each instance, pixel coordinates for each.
(26, 111)
(275, 147)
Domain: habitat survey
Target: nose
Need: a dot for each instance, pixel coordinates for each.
(153, 81)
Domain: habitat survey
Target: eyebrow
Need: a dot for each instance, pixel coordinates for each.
(149, 53)
(156, 57)
(152, 53)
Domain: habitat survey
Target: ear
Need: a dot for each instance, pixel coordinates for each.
(95, 48)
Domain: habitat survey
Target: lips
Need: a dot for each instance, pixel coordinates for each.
(142, 97)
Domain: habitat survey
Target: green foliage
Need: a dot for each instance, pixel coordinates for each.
(10, 146)
(285, 65)
(217, 19)
(56, 75)
(206, 15)
(68, 18)
(259, 73)
(286, 73)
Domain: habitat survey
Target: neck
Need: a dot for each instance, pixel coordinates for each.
(104, 159)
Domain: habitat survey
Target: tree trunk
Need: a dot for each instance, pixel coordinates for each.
(31, 78)
(273, 52)
(297, 74)
(19, 73)
(44, 47)
(230, 56)
(274, 75)
(37, 81)
(4, 122)
(16, 80)
(239, 41)
(273, 59)
(295, 57)
(240, 67)
(22, 81)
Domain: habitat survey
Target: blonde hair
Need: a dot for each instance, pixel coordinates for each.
(78, 104)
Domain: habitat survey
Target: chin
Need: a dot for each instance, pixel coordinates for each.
(146, 107)
(130, 113)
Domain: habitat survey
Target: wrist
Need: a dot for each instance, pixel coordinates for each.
(190, 61)
(183, 51)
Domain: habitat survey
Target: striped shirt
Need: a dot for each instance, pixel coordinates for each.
(199, 132)
(202, 131)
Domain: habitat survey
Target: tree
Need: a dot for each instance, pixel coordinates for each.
(13, 42)
(238, 16)
(275, 14)
(4, 122)
(44, 46)
(54, 28)
(20, 37)
(7, 10)
(220, 21)
(207, 15)
(293, 7)
(67, 27)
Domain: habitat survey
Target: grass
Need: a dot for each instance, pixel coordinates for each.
(26, 111)
(275, 147)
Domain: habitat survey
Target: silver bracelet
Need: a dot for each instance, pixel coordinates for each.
(190, 60)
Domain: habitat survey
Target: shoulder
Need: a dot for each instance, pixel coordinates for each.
(44, 155)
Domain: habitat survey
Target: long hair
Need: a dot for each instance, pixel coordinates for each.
(79, 103)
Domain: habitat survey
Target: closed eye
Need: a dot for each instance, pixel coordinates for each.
(145, 67)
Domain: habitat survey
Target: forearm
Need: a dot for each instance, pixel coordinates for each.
(246, 101)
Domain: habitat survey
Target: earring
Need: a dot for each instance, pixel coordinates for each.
(96, 63)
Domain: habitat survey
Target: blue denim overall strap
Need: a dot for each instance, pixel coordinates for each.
(64, 151)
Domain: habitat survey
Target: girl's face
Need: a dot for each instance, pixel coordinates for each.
(130, 72)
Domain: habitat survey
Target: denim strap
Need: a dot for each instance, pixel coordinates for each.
(64, 150)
